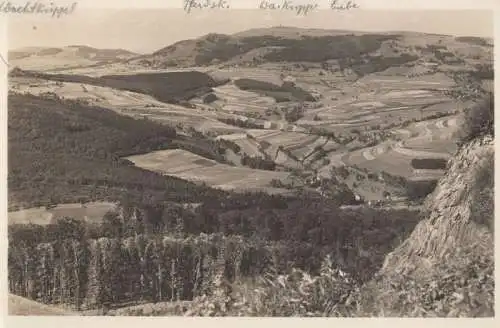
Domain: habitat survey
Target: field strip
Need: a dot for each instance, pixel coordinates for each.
(373, 152)
(320, 141)
(269, 134)
(249, 147)
(426, 176)
(417, 153)
(184, 168)
(390, 109)
(42, 216)
(232, 137)
(405, 132)
(380, 149)
(232, 107)
(372, 104)
(302, 143)
(452, 122)
(423, 82)
(367, 154)
(446, 136)
(427, 172)
(440, 124)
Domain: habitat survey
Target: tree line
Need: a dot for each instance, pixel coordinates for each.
(166, 252)
(92, 273)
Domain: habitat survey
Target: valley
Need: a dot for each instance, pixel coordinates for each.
(375, 123)
(139, 179)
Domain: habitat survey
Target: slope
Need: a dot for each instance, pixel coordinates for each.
(445, 267)
(171, 87)
(359, 50)
(22, 306)
(64, 152)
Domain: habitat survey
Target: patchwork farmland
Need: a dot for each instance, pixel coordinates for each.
(185, 165)
(378, 121)
(343, 111)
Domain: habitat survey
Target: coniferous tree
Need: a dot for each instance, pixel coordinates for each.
(132, 271)
(44, 267)
(94, 289)
(140, 244)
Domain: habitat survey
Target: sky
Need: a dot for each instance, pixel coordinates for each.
(147, 30)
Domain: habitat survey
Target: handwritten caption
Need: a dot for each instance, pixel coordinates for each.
(304, 9)
(189, 5)
(284, 5)
(36, 7)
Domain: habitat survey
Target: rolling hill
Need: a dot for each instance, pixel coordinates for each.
(45, 58)
(67, 152)
(171, 87)
(290, 44)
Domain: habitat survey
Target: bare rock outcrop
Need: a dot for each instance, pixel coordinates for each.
(446, 267)
(449, 226)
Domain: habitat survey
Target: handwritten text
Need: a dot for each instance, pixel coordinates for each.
(343, 5)
(302, 9)
(205, 4)
(36, 7)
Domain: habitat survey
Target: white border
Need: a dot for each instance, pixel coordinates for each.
(39, 322)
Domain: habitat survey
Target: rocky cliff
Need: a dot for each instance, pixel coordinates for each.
(446, 267)
(456, 217)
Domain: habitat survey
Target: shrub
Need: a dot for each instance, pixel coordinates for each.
(478, 120)
(482, 208)
(461, 286)
(210, 98)
(258, 163)
(417, 190)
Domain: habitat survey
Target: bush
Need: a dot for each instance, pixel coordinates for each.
(417, 190)
(258, 163)
(461, 286)
(478, 120)
(210, 98)
(482, 208)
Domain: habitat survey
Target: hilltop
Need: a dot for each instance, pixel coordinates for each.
(290, 44)
(49, 58)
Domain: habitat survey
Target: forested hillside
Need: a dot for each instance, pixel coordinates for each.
(68, 152)
(168, 253)
(171, 87)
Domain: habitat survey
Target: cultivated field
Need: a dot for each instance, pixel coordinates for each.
(186, 165)
(90, 212)
(377, 120)
(234, 100)
(427, 139)
(129, 103)
(254, 73)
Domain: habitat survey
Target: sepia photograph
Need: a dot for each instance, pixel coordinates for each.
(271, 162)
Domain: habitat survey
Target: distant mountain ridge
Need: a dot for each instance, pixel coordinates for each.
(292, 44)
(79, 50)
(43, 58)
